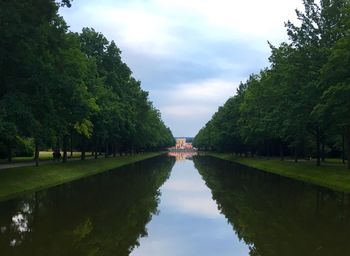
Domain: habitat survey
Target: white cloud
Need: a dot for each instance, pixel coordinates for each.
(197, 205)
(213, 90)
(189, 195)
(137, 29)
(156, 26)
(253, 18)
(188, 110)
(205, 91)
(195, 99)
(225, 40)
(180, 185)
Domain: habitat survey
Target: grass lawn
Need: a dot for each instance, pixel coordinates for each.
(22, 179)
(331, 174)
(43, 155)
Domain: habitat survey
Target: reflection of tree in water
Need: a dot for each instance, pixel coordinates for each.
(276, 216)
(101, 215)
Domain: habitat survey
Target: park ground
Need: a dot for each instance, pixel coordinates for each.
(16, 181)
(331, 174)
(43, 155)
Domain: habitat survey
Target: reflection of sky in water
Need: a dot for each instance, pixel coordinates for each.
(19, 224)
(189, 222)
(20, 221)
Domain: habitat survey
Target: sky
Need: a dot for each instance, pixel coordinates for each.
(189, 54)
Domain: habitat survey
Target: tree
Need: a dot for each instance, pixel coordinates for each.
(56, 84)
(335, 100)
(301, 97)
(317, 33)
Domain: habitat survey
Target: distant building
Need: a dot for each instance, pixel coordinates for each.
(181, 144)
(188, 146)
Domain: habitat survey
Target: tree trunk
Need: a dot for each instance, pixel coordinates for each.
(95, 149)
(9, 152)
(106, 150)
(82, 148)
(114, 151)
(323, 155)
(36, 153)
(295, 154)
(347, 144)
(58, 144)
(71, 145)
(100, 148)
(64, 147)
(343, 146)
(281, 151)
(318, 147)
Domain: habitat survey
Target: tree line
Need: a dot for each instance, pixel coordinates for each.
(300, 104)
(68, 90)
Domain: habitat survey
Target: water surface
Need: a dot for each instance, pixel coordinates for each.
(194, 206)
(189, 222)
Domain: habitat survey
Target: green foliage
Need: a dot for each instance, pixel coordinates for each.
(300, 103)
(126, 120)
(56, 84)
(24, 147)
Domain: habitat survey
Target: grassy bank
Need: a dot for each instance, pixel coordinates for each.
(332, 174)
(23, 179)
(43, 155)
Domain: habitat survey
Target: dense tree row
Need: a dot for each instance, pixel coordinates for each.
(68, 90)
(300, 105)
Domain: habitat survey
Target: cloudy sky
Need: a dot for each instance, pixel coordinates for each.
(189, 54)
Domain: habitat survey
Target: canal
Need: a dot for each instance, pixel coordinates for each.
(178, 205)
